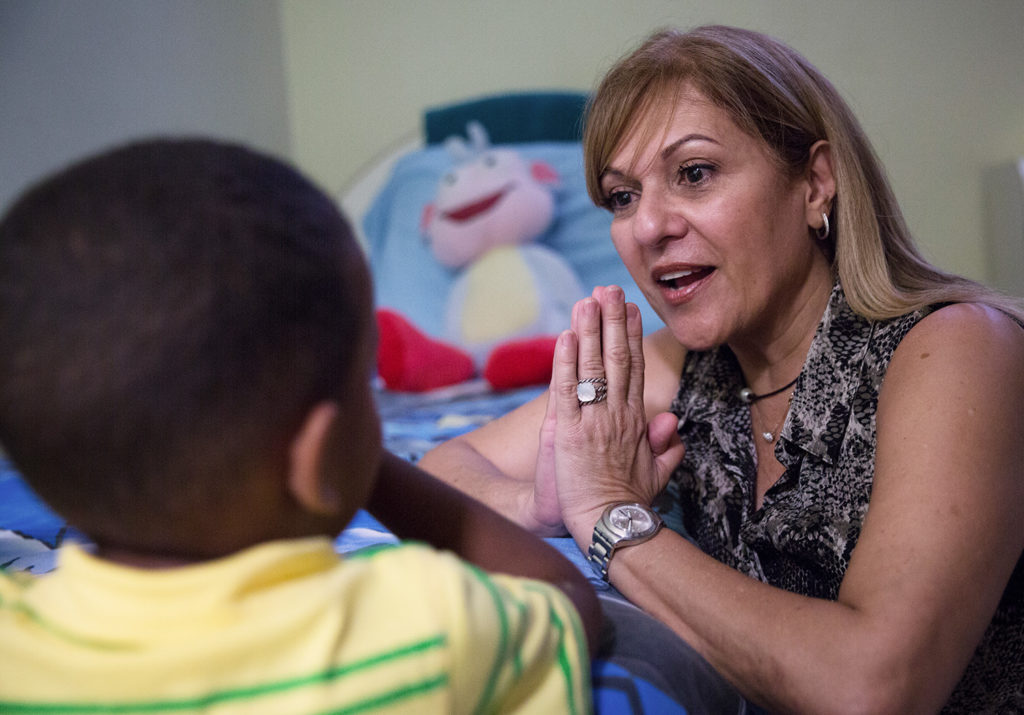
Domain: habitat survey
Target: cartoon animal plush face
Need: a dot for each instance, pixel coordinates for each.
(495, 198)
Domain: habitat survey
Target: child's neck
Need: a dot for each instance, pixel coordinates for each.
(144, 560)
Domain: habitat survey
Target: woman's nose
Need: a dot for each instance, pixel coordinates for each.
(655, 221)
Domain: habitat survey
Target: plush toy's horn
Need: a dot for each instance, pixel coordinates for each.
(478, 138)
(461, 150)
(458, 149)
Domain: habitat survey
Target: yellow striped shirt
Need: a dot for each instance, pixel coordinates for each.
(289, 627)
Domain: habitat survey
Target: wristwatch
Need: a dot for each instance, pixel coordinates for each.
(623, 524)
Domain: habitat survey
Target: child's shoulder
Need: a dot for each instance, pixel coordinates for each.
(442, 572)
(414, 557)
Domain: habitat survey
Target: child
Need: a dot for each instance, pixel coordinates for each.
(186, 348)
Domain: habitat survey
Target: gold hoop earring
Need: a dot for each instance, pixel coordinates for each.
(824, 231)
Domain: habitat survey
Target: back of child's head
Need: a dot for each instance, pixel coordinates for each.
(169, 313)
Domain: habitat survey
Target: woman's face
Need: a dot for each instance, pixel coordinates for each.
(712, 230)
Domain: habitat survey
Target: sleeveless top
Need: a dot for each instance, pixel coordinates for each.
(810, 519)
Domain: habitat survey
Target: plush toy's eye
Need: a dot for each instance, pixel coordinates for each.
(490, 161)
(450, 178)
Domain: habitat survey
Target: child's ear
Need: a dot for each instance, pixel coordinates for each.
(309, 481)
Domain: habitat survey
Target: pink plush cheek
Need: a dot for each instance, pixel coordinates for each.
(543, 172)
(426, 218)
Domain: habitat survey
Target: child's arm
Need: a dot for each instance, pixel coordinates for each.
(415, 505)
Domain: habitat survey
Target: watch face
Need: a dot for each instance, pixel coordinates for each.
(631, 520)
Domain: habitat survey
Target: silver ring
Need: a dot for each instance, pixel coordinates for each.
(591, 390)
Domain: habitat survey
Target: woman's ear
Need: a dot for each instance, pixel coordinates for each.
(821, 185)
(309, 481)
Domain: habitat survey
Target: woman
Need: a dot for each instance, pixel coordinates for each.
(750, 209)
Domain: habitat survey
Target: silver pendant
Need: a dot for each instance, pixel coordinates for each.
(768, 436)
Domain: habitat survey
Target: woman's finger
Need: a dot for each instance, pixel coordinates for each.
(587, 326)
(564, 379)
(615, 348)
(544, 508)
(635, 338)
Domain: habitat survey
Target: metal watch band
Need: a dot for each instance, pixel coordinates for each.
(600, 552)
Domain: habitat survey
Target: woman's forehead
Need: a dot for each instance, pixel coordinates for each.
(666, 120)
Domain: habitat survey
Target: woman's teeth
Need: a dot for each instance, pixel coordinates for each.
(673, 279)
(678, 279)
(677, 274)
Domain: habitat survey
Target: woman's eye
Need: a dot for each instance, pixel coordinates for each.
(618, 200)
(694, 173)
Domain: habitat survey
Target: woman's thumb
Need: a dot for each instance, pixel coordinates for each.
(661, 432)
(664, 440)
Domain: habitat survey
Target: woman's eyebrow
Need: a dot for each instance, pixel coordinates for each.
(671, 148)
(664, 155)
(611, 173)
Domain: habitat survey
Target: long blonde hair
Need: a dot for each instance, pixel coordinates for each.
(772, 93)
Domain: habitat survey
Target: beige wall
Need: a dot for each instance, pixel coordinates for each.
(938, 84)
(79, 75)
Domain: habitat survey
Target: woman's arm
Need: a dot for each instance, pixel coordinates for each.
(414, 505)
(495, 463)
(937, 548)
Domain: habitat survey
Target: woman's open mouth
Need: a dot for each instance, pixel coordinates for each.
(680, 283)
(683, 278)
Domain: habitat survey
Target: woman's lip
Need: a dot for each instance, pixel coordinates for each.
(678, 284)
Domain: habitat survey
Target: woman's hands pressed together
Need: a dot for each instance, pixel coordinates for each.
(602, 452)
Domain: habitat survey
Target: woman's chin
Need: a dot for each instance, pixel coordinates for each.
(693, 335)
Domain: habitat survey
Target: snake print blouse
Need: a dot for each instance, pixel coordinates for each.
(802, 536)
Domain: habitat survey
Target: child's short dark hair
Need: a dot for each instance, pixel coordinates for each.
(169, 313)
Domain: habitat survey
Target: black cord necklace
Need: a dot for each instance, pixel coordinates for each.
(748, 396)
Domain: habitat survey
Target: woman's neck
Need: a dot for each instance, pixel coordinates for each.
(778, 356)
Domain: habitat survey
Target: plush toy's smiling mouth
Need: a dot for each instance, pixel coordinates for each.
(465, 213)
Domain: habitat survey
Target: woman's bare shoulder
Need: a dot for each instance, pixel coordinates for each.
(967, 344)
(983, 334)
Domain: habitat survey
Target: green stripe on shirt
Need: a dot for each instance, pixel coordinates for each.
(253, 691)
(492, 680)
(563, 655)
(392, 697)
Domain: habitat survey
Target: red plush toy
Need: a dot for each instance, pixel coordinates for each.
(511, 297)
